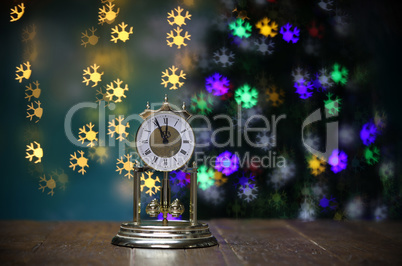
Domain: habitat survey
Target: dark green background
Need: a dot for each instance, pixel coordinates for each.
(61, 59)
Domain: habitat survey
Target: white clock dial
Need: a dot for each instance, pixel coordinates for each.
(165, 141)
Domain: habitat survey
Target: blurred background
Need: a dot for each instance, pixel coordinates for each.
(273, 57)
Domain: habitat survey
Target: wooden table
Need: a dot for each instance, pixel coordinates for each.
(253, 242)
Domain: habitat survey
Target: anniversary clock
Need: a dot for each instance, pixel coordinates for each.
(165, 142)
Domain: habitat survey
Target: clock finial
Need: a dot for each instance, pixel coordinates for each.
(184, 106)
(166, 98)
(148, 105)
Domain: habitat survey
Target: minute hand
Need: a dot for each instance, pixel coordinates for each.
(160, 129)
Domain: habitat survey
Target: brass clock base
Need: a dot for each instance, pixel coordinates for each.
(177, 234)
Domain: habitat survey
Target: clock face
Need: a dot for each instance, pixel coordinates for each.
(165, 141)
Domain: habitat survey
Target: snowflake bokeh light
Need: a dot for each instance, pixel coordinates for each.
(267, 27)
(368, 133)
(338, 161)
(240, 28)
(202, 103)
(248, 192)
(169, 217)
(227, 163)
(213, 195)
(328, 203)
(179, 177)
(339, 74)
(316, 165)
(245, 180)
(217, 84)
(290, 35)
(332, 106)
(205, 177)
(303, 89)
(224, 57)
(264, 47)
(372, 155)
(246, 96)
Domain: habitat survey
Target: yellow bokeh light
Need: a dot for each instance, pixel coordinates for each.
(117, 91)
(122, 35)
(275, 96)
(220, 179)
(99, 153)
(173, 78)
(30, 52)
(118, 129)
(105, 97)
(178, 19)
(150, 183)
(113, 60)
(31, 133)
(316, 165)
(18, 14)
(188, 2)
(186, 60)
(34, 92)
(26, 73)
(35, 112)
(267, 28)
(94, 76)
(79, 161)
(36, 152)
(91, 39)
(89, 135)
(242, 14)
(127, 165)
(29, 33)
(50, 184)
(62, 178)
(177, 39)
(107, 14)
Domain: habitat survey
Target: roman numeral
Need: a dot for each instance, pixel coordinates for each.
(165, 120)
(147, 151)
(155, 122)
(144, 141)
(155, 159)
(186, 141)
(184, 130)
(176, 122)
(183, 152)
(165, 161)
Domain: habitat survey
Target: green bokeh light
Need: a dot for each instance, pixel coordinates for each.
(240, 28)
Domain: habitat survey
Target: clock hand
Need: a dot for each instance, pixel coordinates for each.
(166, 130)
(160, 129)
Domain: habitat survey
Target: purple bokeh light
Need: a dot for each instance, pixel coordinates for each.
(302, 88)
(217, 84)
(227, 163)
(368, 133)
(338, 161)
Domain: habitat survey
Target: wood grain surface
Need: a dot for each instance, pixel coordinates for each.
(241, 242)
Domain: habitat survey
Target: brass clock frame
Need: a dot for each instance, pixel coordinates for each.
(164, 234)
(166, 108)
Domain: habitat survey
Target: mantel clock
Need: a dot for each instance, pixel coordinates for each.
(165, 142)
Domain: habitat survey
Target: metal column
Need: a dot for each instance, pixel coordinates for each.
(165, 197)
(193, 195)
(137, 195)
